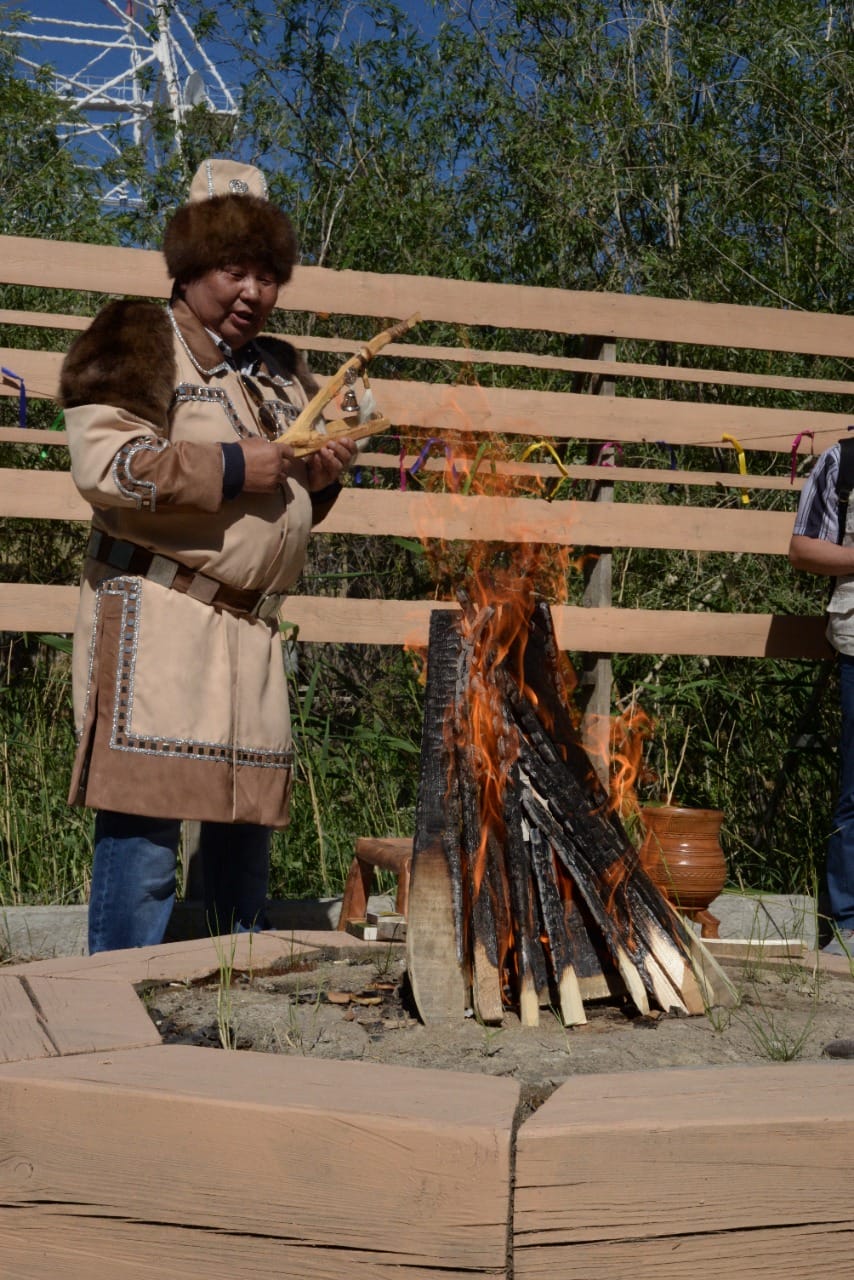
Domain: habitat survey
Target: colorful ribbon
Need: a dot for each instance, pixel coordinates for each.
(422, 458)
(478, 458)
(545, 444)
(601, 460)
(57, 425)
(22, 394)
(742, 465)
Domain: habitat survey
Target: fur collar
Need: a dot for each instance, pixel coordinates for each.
(125, 358)
(281, 357)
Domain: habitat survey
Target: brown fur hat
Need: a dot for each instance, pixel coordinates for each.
(125, 358)
(206, 234)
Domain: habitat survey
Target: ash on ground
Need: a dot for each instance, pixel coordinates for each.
(349, 1009)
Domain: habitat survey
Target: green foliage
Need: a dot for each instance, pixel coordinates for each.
(679, 149)
(45, 847)
(357, 743)
(46, 191)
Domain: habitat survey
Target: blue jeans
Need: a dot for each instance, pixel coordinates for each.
(840, 848)
(133, 878)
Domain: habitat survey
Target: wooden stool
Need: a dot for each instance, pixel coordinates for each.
(392, 853)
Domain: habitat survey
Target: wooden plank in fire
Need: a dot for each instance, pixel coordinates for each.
(651, 947)
(435, 926)
(545, 673)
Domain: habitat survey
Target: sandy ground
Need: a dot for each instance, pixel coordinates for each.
(344, 1009)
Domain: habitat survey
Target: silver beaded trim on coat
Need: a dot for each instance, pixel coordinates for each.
(279, 415)
(186, 391)
(222, 367)
(122, 736)
(142, 493)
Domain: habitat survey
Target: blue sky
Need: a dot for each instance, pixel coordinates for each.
(79, 23)
(96, 12)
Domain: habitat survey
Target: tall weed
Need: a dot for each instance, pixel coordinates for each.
(45, 846)
(356, 767)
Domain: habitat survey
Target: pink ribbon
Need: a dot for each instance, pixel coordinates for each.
(601, 460)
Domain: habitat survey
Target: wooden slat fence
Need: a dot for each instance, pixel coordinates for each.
(659, 402)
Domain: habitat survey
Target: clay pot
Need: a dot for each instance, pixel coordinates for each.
(682, 855)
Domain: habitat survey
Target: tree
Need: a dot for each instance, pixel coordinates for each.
(47, 191)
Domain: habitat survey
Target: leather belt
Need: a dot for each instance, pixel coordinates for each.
(139, 562)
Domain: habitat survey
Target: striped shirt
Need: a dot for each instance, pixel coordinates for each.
(817, 510)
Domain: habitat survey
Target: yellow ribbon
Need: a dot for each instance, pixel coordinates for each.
(544, 444)
(742, 465)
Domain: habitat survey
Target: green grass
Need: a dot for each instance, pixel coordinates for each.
(45, 846)
(356, 772)
(356, 775)
(760, 749)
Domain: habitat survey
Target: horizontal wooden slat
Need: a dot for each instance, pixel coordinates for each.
(104, 269)
(548, 471)
(552, 415)
(579, 524)
(50, 495)
(24, 607)
(43, 319)
(508, 359)
(597, 630)
(32, 435)
(41, 495)
(605, 474)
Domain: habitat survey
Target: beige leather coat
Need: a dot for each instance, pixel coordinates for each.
(181, 707)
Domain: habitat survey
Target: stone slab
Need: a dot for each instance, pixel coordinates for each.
(45, 932)
(761, 916)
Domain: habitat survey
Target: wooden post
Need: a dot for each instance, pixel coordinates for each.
(595, 677)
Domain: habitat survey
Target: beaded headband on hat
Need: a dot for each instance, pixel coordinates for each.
(227, 218)
(227, 178)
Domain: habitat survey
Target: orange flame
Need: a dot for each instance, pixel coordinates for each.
(499, 582)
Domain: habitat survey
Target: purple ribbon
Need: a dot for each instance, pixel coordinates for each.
(422, 458)
(22, 394)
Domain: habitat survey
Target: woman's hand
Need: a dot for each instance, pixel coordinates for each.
(269, 464)
(326, 465)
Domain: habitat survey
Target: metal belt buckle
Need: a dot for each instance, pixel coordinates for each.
(268, 606)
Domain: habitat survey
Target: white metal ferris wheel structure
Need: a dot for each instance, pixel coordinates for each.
(117, 64)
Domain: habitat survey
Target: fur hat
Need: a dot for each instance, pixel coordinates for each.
(228, 218)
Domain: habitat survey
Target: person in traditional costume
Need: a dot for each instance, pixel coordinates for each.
(201, 519)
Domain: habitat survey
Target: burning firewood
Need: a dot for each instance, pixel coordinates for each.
(522, 874)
